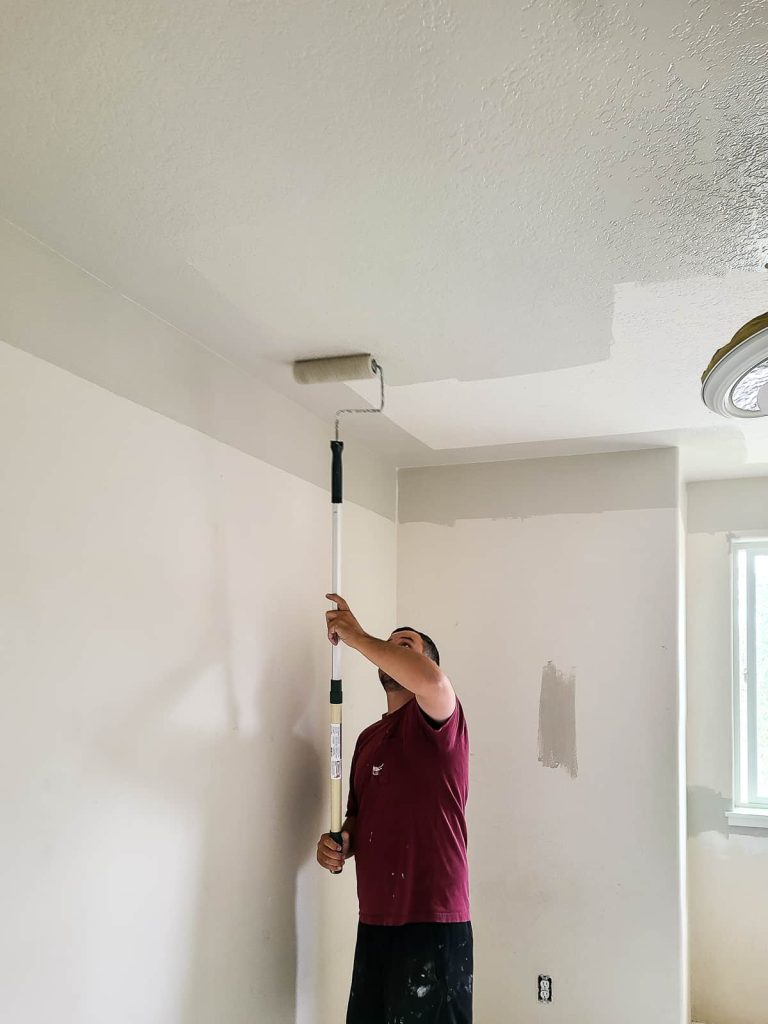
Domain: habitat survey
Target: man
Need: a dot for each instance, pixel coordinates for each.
(406, 829)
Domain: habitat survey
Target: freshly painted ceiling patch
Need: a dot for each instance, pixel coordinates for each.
(736, 381)
(557, 720)
(661, 326)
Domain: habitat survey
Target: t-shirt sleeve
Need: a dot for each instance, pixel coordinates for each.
(445, 734)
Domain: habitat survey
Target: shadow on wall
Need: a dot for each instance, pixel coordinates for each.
(254, 796)
(261, 799)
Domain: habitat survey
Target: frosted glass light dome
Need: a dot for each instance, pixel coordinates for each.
(736, 381)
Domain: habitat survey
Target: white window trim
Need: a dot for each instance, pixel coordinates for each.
(748, 817)
(748, 811)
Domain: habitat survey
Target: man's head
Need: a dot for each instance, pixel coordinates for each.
(405, 636)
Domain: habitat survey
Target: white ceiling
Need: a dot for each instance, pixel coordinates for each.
(542, 218)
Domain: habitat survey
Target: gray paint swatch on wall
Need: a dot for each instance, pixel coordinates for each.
(557, 720)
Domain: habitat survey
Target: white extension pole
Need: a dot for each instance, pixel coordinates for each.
(314, 371)
(336, 693)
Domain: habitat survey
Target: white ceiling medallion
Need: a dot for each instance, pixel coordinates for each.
(736, 381)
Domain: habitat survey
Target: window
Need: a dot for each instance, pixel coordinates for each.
(750, 670)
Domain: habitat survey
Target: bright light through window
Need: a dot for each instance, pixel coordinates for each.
(750, 656)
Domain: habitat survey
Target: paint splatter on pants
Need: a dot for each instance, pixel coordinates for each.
(411, 973)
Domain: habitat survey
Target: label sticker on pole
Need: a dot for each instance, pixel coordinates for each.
(335, 751)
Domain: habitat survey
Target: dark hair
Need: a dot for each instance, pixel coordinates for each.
(430, 648)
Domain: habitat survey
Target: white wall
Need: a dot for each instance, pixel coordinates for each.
(164, 677)
(164, 545)
(728, 868)
(54, 310)
(575, 561)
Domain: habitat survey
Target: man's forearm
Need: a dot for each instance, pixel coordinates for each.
(412, 670)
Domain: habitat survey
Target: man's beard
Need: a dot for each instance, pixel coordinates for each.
(390, 685)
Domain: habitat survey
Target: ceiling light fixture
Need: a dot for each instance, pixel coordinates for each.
(736, 381)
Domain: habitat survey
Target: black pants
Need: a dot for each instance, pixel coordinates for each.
(412, 974)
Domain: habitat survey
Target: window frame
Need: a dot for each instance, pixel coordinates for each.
(745, 796)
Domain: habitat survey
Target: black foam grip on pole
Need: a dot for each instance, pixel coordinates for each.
(337, 838)
(337, 447)
(336, 694)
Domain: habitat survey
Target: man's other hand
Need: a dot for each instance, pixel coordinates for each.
(329, 855)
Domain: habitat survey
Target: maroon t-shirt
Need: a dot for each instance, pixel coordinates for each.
(408, 792)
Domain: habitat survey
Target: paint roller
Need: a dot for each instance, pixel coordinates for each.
(335, 369)
(324, 371)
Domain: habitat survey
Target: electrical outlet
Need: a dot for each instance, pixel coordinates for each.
(545, 988)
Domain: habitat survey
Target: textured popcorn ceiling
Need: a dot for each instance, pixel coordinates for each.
(542, 218)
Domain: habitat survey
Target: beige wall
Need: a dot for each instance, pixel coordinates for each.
(728, 868)
(511, 566)
(163, 732)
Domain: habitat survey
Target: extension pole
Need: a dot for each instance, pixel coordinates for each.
(337, 448)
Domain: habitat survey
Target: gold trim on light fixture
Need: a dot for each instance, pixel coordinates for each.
(746, 352)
